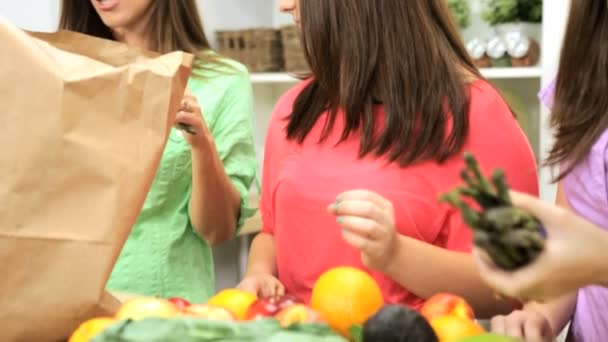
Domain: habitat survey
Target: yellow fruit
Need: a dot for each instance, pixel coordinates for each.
(236, 301)
(296, 314)
(208, 312)
(452, 328)
(91, 328)
(346, 296)
(140, 308)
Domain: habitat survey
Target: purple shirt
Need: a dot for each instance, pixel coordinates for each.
(586, 189)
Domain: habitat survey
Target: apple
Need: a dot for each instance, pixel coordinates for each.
(446, 304)
(297, 314)
(181, 303)
(140, 308)
(269, 307)
(262, 308)
(209, 312)
(287, 301)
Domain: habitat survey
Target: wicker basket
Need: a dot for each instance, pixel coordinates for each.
(260, 49)
(295, 61)
(232, 45)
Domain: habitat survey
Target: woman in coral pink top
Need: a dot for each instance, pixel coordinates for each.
(357, 156)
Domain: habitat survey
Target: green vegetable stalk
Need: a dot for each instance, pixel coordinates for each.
(511, 237)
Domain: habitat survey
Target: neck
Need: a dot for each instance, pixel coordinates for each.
(136, 35)
(132, 38)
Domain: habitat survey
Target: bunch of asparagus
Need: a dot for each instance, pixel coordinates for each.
(511, 237)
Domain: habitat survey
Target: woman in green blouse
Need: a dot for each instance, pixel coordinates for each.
(199, 195)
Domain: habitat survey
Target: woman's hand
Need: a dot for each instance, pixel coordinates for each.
(528, 325)
(190, 117)
(262, 285)
(368, 224)
(574, 256)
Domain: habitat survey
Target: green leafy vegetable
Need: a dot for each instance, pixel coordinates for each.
(356, 332)
(197, 330)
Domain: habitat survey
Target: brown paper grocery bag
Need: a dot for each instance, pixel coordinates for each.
(83, 123)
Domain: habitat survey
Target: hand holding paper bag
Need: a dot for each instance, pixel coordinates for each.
(83, 125)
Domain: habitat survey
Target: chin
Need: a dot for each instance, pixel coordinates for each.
(114, 21)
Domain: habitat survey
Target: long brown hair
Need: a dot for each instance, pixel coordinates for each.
(580, 110)
(173, 26)
(407, 55)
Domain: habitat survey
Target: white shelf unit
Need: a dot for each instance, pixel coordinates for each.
(531, 73)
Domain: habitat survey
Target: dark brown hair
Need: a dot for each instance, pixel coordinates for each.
(173, 26)
(580, 110)
(407, 55)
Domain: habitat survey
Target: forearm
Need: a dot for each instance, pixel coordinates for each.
(602, 261)
(558, 312)
(215, 202)
(262, 255)
(426, 270)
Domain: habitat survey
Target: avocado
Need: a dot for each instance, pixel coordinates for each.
(396, 323)
(489, 338)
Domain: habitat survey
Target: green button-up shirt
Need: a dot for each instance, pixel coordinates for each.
(163, 256)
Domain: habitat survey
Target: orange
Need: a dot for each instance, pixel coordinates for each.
(452, 328)
(236, 301)
(346, 296)
(91, 328)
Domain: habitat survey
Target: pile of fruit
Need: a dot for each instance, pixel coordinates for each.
(346, 304)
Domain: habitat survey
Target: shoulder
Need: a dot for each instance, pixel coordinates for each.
(276, 139)
(220, 74)
(488, 111)
(284, 105)
(484, 95)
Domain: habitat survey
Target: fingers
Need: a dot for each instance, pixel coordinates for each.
(527, 283)
(356, 240)
(271, 288)
(530, 326)
(511, 325)
(365, 228)
(365, 196)
(187, 118)
(498, 325)
(359, 208)
(190, 105)
(537, 329)
(263, 286)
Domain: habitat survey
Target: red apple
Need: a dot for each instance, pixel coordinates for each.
(209, 312)
(181, 303)
(446, 304)
(287, 301)
(262, 308)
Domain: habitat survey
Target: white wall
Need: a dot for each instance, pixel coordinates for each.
(35, 15)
